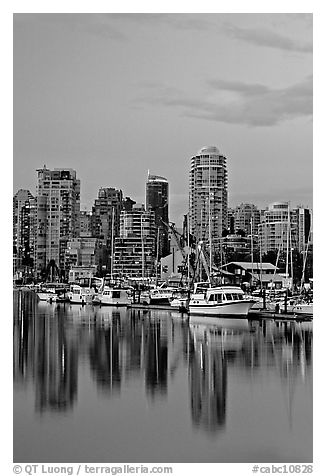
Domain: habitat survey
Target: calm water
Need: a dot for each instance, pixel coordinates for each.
(111, 385)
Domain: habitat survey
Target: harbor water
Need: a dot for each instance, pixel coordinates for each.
(102, 384)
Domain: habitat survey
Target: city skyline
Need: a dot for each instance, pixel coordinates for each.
(195, 83)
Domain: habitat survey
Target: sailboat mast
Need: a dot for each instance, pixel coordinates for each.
(112, 242)
(188, 246)
(209, 216)
(252, 251)
(287, 244)
(157, 249)
(304, 262)
(142, 247)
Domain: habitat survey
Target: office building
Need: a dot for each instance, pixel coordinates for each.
(157, 200)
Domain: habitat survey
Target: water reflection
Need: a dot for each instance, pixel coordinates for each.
(52, 343)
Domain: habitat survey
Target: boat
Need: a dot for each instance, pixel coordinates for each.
(112, 296)
(303, 308)
(50, 291)
(84, 291)
(219, 301)
(180, 300)
(161, 295)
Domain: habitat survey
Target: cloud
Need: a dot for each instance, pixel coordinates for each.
(267, 38)
(95, 24)
(234, 102)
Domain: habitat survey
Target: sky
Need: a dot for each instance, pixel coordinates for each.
(115, 95)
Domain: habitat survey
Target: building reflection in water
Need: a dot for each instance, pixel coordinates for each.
(45, 354)
(156, 358)
(51, 341)
(208, 383)
(104, 355)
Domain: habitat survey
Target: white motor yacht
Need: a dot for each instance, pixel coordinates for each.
(219, 301)
(112, 296)
(84, 291)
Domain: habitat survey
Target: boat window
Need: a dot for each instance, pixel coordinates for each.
(228, 297)
(212, 297)
(240, 297)
(235, 297)
(115, 294)
(219, 297)
(76, 291)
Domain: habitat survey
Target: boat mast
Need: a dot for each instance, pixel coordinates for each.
(188, 257)
(199, 248)
(291, 259)
(142, 248)
(287, 245)
(304, 262)
(252, 251)
(209, 217)
(157, 247)
(112, 242)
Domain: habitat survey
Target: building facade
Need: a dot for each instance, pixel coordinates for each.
(284, 228)
(134, 249)
(208, 195)
(57, 215)
(304, 219)
(24, 204)
(105, 213)
(85, 223)
(246, 218)
(157, 200)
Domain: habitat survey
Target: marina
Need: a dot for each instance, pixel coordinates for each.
(163, 239)
(159, 385)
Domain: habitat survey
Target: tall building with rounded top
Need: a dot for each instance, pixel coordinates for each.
(157, 200)
(208, 195)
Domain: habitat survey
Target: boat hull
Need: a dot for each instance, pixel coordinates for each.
(303, 309)
(45, 296)
(233, 309)
(114, 302)
(80, 299)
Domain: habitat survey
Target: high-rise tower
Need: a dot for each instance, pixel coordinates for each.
(208, 195)
(23, 229)
(157, 200)
(58, 215)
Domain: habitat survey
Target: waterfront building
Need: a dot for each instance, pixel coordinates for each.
(105, 223)
(231, 220)
(208, 195)
(274, 226)
(81, 272)
(85, 223)
(275, 232)
(105, 212)
(157, 199)
(57, 214)
(234, 243)
(246, 217)
(241, 272)
(134, 249)
(304, 220)
(81, 251)
(24, 204)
